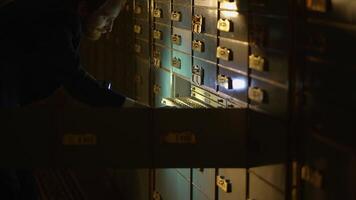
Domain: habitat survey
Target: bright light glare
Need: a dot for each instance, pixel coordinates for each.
(229, 6)
(230, 14)
(239, 84)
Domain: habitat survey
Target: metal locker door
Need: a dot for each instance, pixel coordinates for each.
(231, 184)
(142, 80)
(162, 85)
(203, 182)
(170, 185)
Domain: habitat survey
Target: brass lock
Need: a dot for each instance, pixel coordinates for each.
(223, 184)
(176, 39)
(224, 25)
(197, 23)
(137, 29)
(256, 63)
(156, 195)
(156, 89)
(157, 13)
(157, 34)
(223, 53)
(176, 62)
(318, 6)
(138, 9)
(138, 79)
(256, 94)
(138, 48)
(224, 81)
(197, 75)
(185, 137)
(176, 16)
(157, 59)
(312, 176)
(198, 46)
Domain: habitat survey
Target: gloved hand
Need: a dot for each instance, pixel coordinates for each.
(131, 103)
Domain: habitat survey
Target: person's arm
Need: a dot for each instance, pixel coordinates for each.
(75, 79)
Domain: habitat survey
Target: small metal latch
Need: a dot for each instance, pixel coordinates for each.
(223, 53)
(223, 184)
(176, 39)
(225, 81)
(197, 23)
(197, 75)
(256, 94)
(156, 89)
(156, 195)
(224, 25)
(138, 9)
(157, 13)
(137, 29)
(176, 62)
(198, 46)
(176, 16)
(157, 59)
(138, 48)
(312, 176)
(256, 63)
(157, 34)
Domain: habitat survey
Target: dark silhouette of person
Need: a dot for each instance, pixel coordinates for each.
(39, 53)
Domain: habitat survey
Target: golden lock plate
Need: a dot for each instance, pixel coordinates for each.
(198, 46)
(256, 62)
(138, 9)
(138, 48)
(223, 184)
(176, 16)
(256, 94)
(137, 29)
(197, 23)
(223, 53)
(224, 25)
(197, 75)
(176, 62)
(157, 13)
(156, 59)
(156, 89)
(224, 81)
(156, 195)
(176, 39)
(312, 176)
(157, 34)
